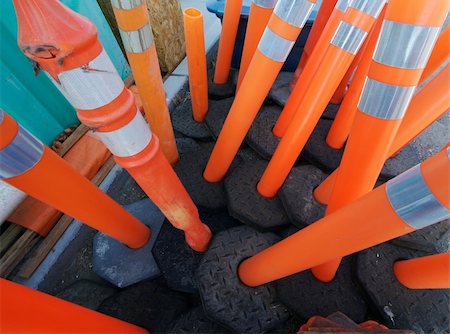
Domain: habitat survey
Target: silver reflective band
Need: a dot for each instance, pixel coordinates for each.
(294, 12)
(370, 7)
(413, 201)
(126, 4)
(137, 41)
(92, 85)
(129, 139)
(348, 37)
(385, 101)
(22, 154)
(275, 47)
(405, 45)
(265, 3)
(342, 5)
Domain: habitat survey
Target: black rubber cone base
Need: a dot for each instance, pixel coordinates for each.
(421, 310)
(330, 111)
(307, 296)
(225, 299)
(246, 204)
(190, 171)
(218, 111)
(260, 137)
(219, 92)
(183, 122)
(186, 145)
(196, 321)
(297, 195)
(121, 265)
(280, 92)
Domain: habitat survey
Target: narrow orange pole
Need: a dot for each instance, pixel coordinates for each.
(413, 200)
(258, 17)
(196, 58)
(343, 121)
(32, 167)
(285, 24)
(428, 272)
(309, 71)
(322, 18)
(344, 46)
(136, 32)
(90, 82)
(230, 24)
(434, 98)
(24, 310)
(397, 66)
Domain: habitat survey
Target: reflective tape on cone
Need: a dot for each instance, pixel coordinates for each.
(344, 45)
(342, 231)
(137, 37)
(404, 46)
(439, 55)
(279, 36)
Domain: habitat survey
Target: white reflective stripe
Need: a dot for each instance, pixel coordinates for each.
(385, 101)
(265, 3)
(126, 4)
(348, 37)
(93, 85)
(137, 41)
(294, 12)
(405, 45)
(22, 154)
(275, 47)
(370, 7)
(342, 5)
(413, 201)
(129, 139)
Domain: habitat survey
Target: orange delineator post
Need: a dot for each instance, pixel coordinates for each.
(343, 121)
(322, 18)
(413, 200)
(82, 69)
(397, 65)
(258, 17)
(285, 24)
(230, 24)
(433, 98)
(350, 35)
(196, 59)
(29, 165)
(24, 310)
(310, 69)
(137, 37)
(428, 272)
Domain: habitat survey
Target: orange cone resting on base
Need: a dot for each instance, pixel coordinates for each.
(196, 58)
(391, 210)
(92, 85)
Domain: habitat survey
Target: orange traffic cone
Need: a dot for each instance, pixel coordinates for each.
(428, 272)
(137, 37)
(413, 200)
(32, 167)
(84, 72)
(230, 24)
(258, 17)
(433, 98)
(196, 58)
(398, 63)
(344, 46)
(24, 310)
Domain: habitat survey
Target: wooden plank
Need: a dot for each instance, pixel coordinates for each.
(9, 236)
(72, 139)
(40, 253)
(129, 80)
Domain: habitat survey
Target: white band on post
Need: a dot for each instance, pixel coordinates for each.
(137, 41)
(126, 4)
(294, 12)
(348, 37)
(274, 46)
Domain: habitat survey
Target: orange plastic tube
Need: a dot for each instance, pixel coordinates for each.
(230, 24)
(307, 74)
(434, 98)
(342, 232)
(439, 55)
(257, 21)
(428, 272)
(24, 310)
(323, 15)
(196, 58)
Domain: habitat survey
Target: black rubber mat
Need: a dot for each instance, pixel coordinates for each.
(225, 299)
(218, 111)
(196, 321)
(296, 195)
(280, 92)
(183, 122)
(246, 204)
(185, 145)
